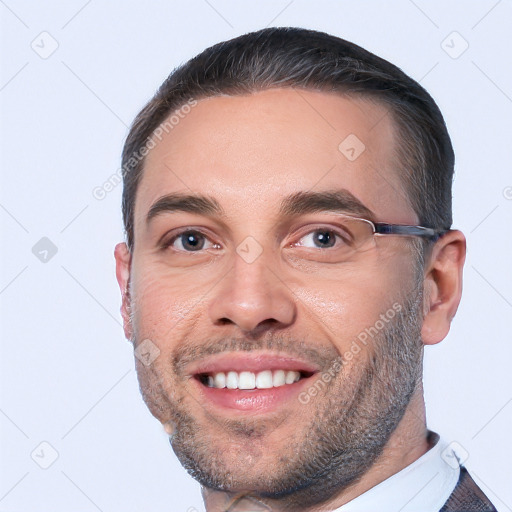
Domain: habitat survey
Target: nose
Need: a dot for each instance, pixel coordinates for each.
(253, 297)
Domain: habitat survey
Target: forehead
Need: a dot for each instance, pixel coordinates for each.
(250, 151)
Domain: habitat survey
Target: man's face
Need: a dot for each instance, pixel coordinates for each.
(217, 301)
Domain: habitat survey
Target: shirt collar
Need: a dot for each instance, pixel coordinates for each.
(423, 485)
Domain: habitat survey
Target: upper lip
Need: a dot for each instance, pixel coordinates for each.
(250, 362)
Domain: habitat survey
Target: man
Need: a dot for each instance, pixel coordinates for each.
(288, 255)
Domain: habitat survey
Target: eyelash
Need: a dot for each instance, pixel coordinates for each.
(173, 238)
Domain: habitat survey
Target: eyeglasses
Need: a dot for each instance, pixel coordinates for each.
(358, 234)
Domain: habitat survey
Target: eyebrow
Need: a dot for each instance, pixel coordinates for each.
(299, 203)
(339, 201)
(190, 203)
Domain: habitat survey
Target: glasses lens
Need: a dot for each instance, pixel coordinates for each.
(359, 234)
(340, 242)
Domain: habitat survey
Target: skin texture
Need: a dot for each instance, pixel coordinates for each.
(248, 152)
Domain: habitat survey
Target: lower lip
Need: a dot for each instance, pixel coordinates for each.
(253, 400)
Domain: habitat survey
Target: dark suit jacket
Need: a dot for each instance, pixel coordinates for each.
(467, 496)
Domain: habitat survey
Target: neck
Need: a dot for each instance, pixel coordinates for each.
(407, 443)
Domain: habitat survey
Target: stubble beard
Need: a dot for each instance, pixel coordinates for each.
(346, 431)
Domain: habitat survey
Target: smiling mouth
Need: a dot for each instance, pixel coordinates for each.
(247, 381)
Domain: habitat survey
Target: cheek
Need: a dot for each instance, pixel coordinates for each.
(345, 307)
(164, 305)
(159, 388)
(338, 313)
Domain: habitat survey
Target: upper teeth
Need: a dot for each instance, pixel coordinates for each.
(249, 380)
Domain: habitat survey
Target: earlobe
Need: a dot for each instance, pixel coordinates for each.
(123, 261)
(443, 286)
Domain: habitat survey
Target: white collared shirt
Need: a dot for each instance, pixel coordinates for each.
(422, 486)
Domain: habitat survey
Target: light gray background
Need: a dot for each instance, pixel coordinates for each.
(67, 374)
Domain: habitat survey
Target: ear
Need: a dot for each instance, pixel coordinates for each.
(123, 259)
(443, 286)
